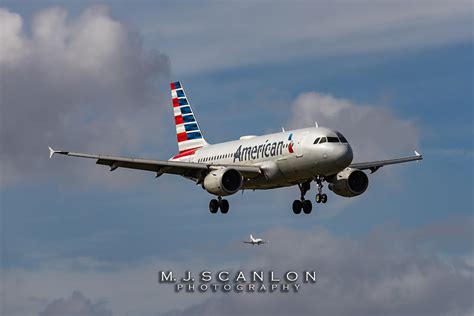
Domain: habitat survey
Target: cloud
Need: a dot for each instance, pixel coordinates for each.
(84, 82)
(75, 305)
(241, 33)
(374, 133)
(382, 274)
(386, 272)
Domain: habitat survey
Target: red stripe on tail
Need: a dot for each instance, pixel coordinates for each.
(175, 102)
(182, 137)
(178, 119)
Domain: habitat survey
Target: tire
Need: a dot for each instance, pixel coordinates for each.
(224, 206)
(318, 198)
(297, 206)
(307, 206)
(324, 198)
(213, 206)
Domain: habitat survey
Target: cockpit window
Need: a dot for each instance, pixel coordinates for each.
(333, 140)
(342, 138)
(323, 140)
(316, 141)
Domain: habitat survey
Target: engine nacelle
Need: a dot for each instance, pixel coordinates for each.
(349, 182)
(223, 181)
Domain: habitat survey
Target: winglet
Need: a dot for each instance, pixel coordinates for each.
(51, 152)
(417, 153)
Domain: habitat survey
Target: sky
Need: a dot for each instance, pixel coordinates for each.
(392, 76)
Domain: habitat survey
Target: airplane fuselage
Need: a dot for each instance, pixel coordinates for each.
(286, 158)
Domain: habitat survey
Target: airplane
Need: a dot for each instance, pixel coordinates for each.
(255, 241)
(287, 158)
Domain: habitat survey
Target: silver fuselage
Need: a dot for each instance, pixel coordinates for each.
(286, 158)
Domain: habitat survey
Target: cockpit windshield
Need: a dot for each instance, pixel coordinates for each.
(331, 139)
(342, 138)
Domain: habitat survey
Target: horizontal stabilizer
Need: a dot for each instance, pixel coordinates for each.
(51, 152)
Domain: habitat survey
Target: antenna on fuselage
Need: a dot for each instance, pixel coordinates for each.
(316, 123)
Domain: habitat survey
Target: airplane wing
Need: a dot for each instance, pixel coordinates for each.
(247, 242)
(189, 169)
(375, 165)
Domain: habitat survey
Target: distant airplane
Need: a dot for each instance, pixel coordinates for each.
(287, 158)
(255, 241)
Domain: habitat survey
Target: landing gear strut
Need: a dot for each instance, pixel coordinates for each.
(302, 203)
(320, 197)
(220, 203)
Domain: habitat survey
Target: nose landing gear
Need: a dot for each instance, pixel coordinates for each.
(220, 203)
(320, 197)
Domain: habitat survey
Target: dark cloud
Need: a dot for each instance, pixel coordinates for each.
(75, 305)
(382, 274)
(84, 82)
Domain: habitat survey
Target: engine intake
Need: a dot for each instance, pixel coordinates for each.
(349, 182)
(223, 181)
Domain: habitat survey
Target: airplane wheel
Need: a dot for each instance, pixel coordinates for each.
(213, 206)
(307, 206)
(297, 206)
(224, 205)
(324, 198)
(318, 198)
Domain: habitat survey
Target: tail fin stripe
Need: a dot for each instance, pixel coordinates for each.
(186, 110)
(180, 93)
(180, 129)
(191, 127)
(178, 119)
(182, 137)
(175, 102)
(189, 118)
(194, 135)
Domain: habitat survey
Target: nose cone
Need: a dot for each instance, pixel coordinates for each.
(343, 155)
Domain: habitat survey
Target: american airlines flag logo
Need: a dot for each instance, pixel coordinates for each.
(187, 128)
(290, 146)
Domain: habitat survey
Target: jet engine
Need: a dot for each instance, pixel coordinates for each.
(221, 182)
(349, 182)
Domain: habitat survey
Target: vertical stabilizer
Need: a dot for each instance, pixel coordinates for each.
(188, 132)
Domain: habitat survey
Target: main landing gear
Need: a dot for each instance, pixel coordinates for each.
(305, 205)
(220, 203)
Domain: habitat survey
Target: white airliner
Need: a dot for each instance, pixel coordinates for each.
(288, 158)
(255, 241)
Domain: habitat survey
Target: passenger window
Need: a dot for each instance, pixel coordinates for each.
(323, 140)
(317, 140)
(333, 140)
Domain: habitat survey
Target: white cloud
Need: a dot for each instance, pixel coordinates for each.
(84, 82)
(374, 133)
(385, 272)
